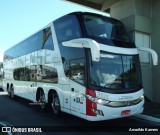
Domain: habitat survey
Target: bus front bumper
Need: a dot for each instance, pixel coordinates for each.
(106, 113)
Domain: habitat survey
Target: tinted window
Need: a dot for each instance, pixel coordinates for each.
(33, 73)
(119, 72)
(19, 49)
(47, 41)
(73, 62)
(39, 40)
(106, 30)
(68, 54)
(25, 73)
(19, 74)
(67, 28)
(42, 39)
(47, 73)
(16, 74)
(77, 70)
(32, 44)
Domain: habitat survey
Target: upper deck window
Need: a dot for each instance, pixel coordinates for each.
(47, 41)
(106, 30)
(101, 27)
(67, 28)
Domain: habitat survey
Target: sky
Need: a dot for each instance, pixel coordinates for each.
(21, 18)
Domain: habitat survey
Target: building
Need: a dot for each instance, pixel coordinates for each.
(142, 18)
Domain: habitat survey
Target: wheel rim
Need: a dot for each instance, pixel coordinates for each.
(42, 101)
(55, 104)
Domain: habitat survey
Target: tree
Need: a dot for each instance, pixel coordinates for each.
(1, 65)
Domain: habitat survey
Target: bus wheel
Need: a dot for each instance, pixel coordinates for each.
(55, 104)
(42, 101)
(12, 92)
(8, 89)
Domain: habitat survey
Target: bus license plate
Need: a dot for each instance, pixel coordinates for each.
(125, 112)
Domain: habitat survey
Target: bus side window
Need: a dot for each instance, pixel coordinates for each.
(33, 73)
(16, 74)
(22, 74)
(47, 73)
(27, 74)
(67, 28)
(66, 67)
(77, 70)
(47, 41)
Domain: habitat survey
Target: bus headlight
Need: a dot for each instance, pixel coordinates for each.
(96, 100)
(114, 103)
(142, 97)
(99, 101)
(125, 103)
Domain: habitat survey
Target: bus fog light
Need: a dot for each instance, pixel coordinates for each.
(98, 112)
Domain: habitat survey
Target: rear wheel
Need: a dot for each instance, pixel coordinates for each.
(42, 100)
(55, 104)
(8, 90)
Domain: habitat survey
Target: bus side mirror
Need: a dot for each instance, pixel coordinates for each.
(85, 43)
(152, 52)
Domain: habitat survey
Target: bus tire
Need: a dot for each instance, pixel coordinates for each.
(42, 101)
(55, 104)
(8, 89)
(12, 95)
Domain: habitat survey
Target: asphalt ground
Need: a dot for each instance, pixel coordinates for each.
(151, 108)
(19, 113)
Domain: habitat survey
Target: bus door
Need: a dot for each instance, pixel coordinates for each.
(31, 82)
(77, 73)
(78, 104)
(66, 98)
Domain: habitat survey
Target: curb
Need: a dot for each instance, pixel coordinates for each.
(148, 118)
(6, 126)
(3, 93)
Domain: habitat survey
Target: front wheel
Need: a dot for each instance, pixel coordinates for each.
(55, 104)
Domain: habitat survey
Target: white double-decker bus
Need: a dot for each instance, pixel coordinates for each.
(83, 64)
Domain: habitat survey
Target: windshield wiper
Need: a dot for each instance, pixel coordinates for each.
(106, 85)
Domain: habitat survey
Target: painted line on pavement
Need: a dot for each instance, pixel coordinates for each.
(3, 93)
(147, 117)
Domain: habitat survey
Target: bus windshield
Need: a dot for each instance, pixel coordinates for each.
(107, 29)
(115, 71)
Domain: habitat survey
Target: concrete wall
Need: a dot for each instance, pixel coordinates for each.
(123, 9)
(136, 15)
(147, 82)
(143, 8)
(156, 45)
(108, 3)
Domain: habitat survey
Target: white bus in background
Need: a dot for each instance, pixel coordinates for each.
(83, 64)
